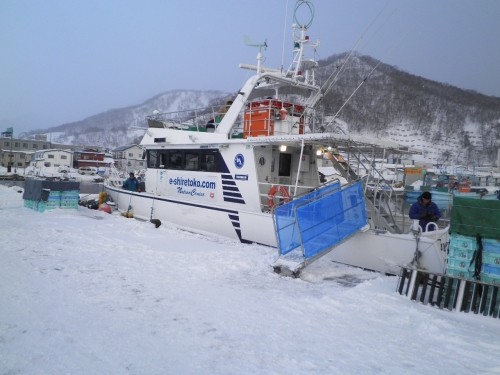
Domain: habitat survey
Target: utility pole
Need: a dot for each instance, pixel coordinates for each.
(9, 169)
(9, 133)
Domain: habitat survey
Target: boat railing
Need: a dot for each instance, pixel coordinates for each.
(382, 200)
(258, 118)
(204, 119)
(281, 192)
(272, 117)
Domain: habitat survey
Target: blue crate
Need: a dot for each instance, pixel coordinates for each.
(490, 270)
(461, 253)
(54, 194)
(463, 242)
(491, 245)
(52, 204)
(41, 206)
(491, 258)
(457, 272)
(491, 279)
(459, 263)
(69, 204)
(70, 194)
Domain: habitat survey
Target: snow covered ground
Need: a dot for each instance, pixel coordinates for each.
(84, 292)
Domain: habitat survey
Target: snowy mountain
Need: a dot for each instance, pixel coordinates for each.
(449, 125)
(118, 127)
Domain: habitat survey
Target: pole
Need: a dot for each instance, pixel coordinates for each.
(9, 167)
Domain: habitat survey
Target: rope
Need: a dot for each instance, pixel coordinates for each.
(329, 82)
(477, 258)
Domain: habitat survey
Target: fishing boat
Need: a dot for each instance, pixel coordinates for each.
(247, 169)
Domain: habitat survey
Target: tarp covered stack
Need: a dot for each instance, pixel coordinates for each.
(41, 195)
(475, 240)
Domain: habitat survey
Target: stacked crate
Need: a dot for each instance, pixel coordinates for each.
(69, 199)
(490, 269)
(460, 256)
(54, 200)
(475, 222)
(41, 195)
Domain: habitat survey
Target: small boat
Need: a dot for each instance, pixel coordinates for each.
(248, 170)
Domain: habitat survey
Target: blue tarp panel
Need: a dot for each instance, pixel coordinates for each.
(286, 222)
(326, 222)
(320, 220)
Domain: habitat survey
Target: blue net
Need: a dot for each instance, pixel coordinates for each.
(321, 219)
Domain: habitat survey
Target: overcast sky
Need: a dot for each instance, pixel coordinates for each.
(65, 60)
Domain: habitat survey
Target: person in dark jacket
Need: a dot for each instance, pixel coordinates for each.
(425, 211)
(131, 183)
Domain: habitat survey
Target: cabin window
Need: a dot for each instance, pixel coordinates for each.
(203, 160)
(64, 157)
(153, 158)
(208, 162)
(192, 160)
(163, 159)
(176, 160)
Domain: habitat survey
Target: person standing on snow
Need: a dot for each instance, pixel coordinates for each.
(131, 183)
(425, 211)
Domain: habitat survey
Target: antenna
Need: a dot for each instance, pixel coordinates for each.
(249, 43)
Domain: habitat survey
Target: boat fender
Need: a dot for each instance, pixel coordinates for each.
(105, 208)
(283, 113)
(156, 222)
(277, 190)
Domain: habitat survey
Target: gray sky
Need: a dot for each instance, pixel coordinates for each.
(64, 60)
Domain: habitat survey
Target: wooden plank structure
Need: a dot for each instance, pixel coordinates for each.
(449, 292)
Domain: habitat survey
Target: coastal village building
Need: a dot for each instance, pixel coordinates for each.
(52, 158)
(18, 153)
(21, 153)
(129, 158)
(89, 158)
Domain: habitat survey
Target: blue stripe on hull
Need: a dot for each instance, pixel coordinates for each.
(233, 215)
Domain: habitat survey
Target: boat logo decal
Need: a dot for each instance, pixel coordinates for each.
(243, 177)
(194, 188)
(239, 161)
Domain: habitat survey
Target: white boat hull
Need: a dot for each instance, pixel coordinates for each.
(387, 252)
(382, 252)
(239, 225)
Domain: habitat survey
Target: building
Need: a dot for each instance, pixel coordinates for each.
(129, 158)
(18, 153)
(52, 158)
(89, 158)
